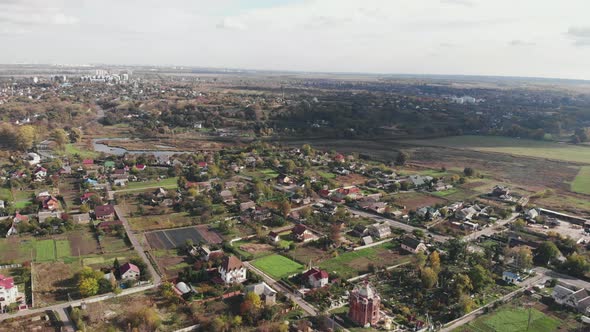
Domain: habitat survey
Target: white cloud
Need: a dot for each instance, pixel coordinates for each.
(230, 23)
(580, 35)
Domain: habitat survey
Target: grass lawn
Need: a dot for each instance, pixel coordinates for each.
(72, 149)
(168, 183)
(6, 194)
(62, 248)
(45, 250)
(581, 183)
(521, 147)
(446, 192)
(512, 319)
(278, 266)
(327, 175)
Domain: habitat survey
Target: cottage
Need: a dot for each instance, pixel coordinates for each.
(227, 196)
(82, 218)
(413, 245)
(205, 253)
(532, 214)
(120, 182)
(129, 271)
(51, 203)
(380, 231)
(104, 212)
(266, 293)
(571, 296)
(316, 278)
(470, 226)
(249, 205)
(510, 277)
(274, 237)
(232, 270)
(302, 234)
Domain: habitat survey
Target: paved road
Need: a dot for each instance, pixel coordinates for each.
(310, 310)
(68, 325)
(137, 245)
(397, 224)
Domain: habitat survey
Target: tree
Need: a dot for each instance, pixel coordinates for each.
(462, 284)
(307, 150)
(523, 258)
(546, 253)
(465, 304)
(418, 233)
(60, 137)
(402, 158)
(576, 265)
(254, 299)
(480, 278)
(88, 287)
(468, 171)
(429, 277)
(76, 135)
(335, 236)
(26, 137)
(117, 268)
(434, 260)
(419, 260)
(285, 207)
(519, 224)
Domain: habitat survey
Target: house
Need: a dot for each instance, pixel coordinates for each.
(339, 158)
(532, 214)
(104, 212)
(367, 240)
(86, 163)
(44, 215)
(572, 296)
(9, 293)
(232, 270)
(510, 277)
(360, 230)
(140, 167)
(82, 218)
(40, 173)
(160, 193)
(284, 180)
(51, 203)
(500, 191)
(33, 159)
(380, 231)
(86, 197)
(2, 204)
(470, 226)
(378, 207)
(428, 213)
(249, 205)
(109, 164)
(302, 234)
(227, 196)
(65, 170)
(413, 245)
(182, 288)
(316, 278)
(274, 237)
(129, 271)
(419, 180)
(120, 182)
(205, 253)
(466, 213)
(266, 293)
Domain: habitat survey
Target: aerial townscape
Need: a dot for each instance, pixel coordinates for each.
(172, 199)
(294, 166)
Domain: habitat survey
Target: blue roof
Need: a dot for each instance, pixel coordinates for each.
(511, 275)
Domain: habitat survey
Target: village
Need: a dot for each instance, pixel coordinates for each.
(257, 234)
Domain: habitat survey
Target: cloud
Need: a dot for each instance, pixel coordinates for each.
(580, 35)
(230, 23)
(466, 3)
(520, 43)
(33, 12)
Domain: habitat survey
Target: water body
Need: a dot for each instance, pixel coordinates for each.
(100, 147)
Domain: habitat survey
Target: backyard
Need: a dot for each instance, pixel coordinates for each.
(278, 266)
(512, 319)
(581, 183)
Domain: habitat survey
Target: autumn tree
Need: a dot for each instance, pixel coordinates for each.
(546, 253)
(462, 284)
(27, 135)
(60, 137)
(480, 277)
(402, 158)
(335, 233)
(285, 207)
(434, 261)
(429, 277)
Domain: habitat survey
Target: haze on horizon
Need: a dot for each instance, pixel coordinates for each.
(536, 38)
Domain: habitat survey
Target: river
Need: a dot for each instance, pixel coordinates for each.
(100, 147)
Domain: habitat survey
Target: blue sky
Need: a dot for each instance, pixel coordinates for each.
(544, 38)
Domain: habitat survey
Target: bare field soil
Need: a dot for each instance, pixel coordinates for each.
(52, 283)
(174, 238)
(83, 243)
(414, 201)
(351, 179)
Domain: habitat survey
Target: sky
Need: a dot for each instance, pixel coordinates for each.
(537, 38)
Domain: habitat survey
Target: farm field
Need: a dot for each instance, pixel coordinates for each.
(416, 200)
(278, 266)
(168, 183)
(252, 249)
(512, 319)
(581, 183)
(73, 149)
(353, 263)
(520, 147)
(45, 250)
(171, 220)
(175, 238)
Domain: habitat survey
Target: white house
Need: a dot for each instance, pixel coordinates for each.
(571, 296)
(8, 292)
(316, 278)
(129, 271)
(232, 270)
(413, 245)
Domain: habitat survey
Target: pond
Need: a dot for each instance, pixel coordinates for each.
(100, 147)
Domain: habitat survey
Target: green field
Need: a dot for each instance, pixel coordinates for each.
(513, 146)
(45, 250)
(278, 266)
(168, 183)
(72, 149)
(581, 183)
(511, 319)
(62, 248)
(6, 194)
(327, 175)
